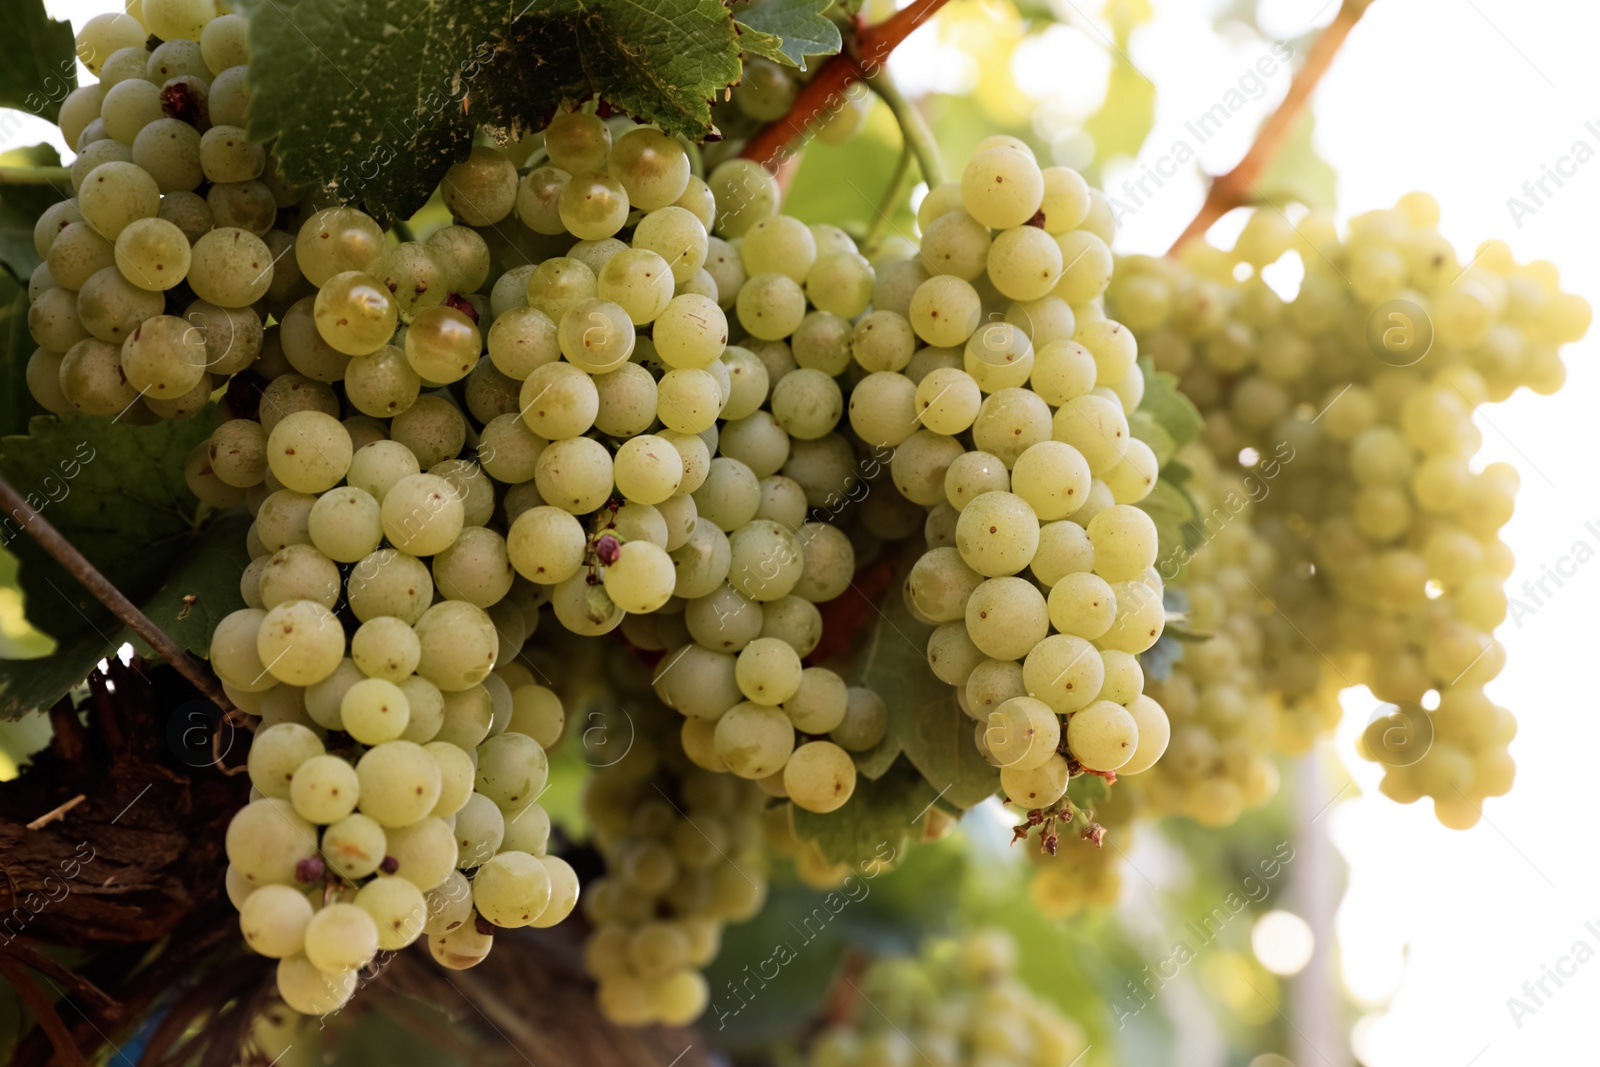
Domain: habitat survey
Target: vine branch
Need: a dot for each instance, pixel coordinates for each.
(50, 539)
(771, 144)
(899, 184)
(36, 176)
(1237, 187)
(913, 127)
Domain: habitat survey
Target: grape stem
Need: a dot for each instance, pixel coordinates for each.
(773, 143)
(51, 540)
(402, 230)
(913, 127)
(899, 184)
(1237, 187)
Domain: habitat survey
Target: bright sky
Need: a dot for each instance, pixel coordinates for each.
(1466, 99)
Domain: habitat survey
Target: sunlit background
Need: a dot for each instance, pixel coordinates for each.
(1398, 942)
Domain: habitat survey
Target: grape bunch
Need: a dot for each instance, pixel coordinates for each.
(1010, 427)
(684, 856)
(1390, 567)
(957, 1003)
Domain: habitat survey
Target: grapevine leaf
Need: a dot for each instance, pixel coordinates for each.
(1088, 791)
(1173, 513)
(925, 722)
(1143, 425)
(210, 574)
(875, 822)
(1165, 403)
(380, 96)
(20, 208)
(16, 346)
(1297, 173)
(786, 31)
(1158, 660)
(38, 63)
(118, 494)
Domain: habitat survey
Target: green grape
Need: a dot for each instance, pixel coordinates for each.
(678, 236)
(400, 784)
(1053, 478)
(1082, 604)
(130, 105)
(273, 920)
(397, 909)
(475, 569)
(577, 141)
(1005, 617)
(177, 19)
(596, 335)
(54, 324)
(463, 256)
(537, 712)
(754, 740)
(767, 671)
(230, 268)
(110, 308)
(374, 711)
(688, 400)
(442, 345)
(1153, 732)
(558, 401)
(697, 682)
(820, 776)
(266, 839)
(521, 340)
(1140, 618)
(276, 753)
(386, 647)
(1036, 787)
(840, 283)
(456, 775)
(1086, 269)
(246, 205)
(354, 846)
(310, 990)
(79, 252)
(593, 205)
(771, 306)
(43, 377)
(115, 194)
(462, 947)
(642, 579)
(449, 905)
(511, 889)
(308, 452)
(998, 356)
(652, 167)
(546, 545)
(997, 534)
(458, 645)
(972, 474)
(233, 336)
(745, 192)
(575, 475)
(940, 584)
(1024, 263)
(807, 403)
(647, 469)
(1066, 200)
(1125, 543)
(946, 401)
(766, 91)
(953, 244)
(93, 155)
(480, 828)
(103, 35)
(300, 642)
(480, 190)
(336, 240)
(512, 770)
(283, 520)
(225, 42)
(375, 468)
(1022, 732)
(1065, 672)
(883, 341)
(765, 561)
(696, 467)
(299, 572)
(341, 937)
(421, 514)
(639, 281)
(1103, 736)
(691, 332)
(466, 716)
(382, 384)
(538, 200)
(354, 313)
(228, 155)
(1096, 427)
(945, 310)
(325, 789)
(564, 899)
(163, 357)
(780, 244)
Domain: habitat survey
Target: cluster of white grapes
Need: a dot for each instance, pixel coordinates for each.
(958, 1003)
(1010, 426)
(1389, 561)
(684, 856)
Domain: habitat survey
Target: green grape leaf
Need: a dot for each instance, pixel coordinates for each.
(1173, 513)
(1143, 425)
(1158, 660)
(378, 97)
(118, 494)
(1124, 120)
(1166, 405)
(38, 63)
(1297, 173)
(786, 31)
(17, 405)
(209, 573)
(1088, 791)
(925, 722)
(875, 822)
(20, 208)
